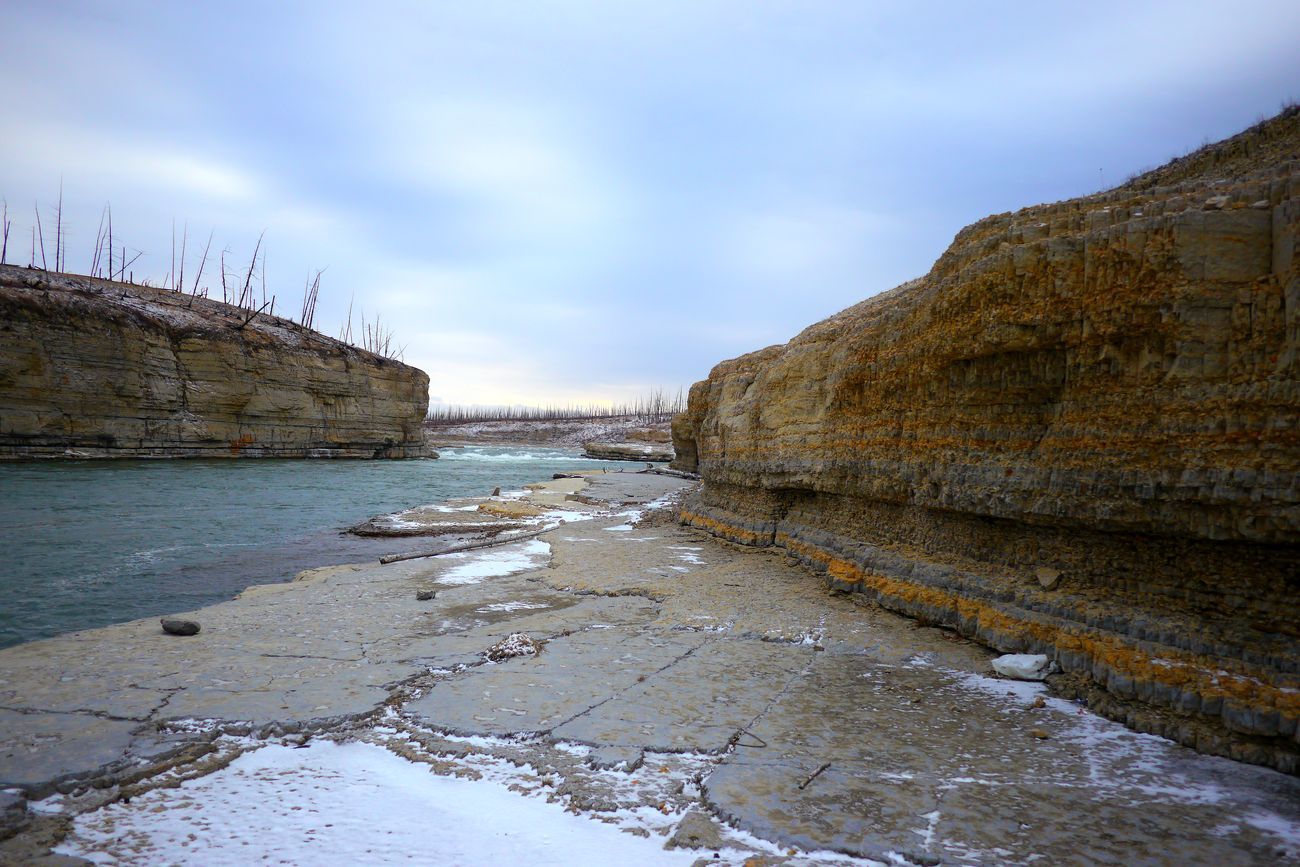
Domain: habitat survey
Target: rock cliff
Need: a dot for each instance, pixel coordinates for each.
(93, 368)
(1078, 435)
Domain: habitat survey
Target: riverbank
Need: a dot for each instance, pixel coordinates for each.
(687, 691)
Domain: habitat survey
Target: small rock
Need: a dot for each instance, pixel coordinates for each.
(695, 831)
(1216, 203)
(1038, 733)
(176, 626)
(614, 758)
(425, 595)
(496, 492)
(1048, 577)
(1038, 702)
(1023, 666)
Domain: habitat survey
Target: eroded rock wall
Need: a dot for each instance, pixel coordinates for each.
(93, 368)
(1079, 434)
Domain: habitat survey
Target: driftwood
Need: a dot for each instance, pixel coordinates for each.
(468, 546)
(668, 471)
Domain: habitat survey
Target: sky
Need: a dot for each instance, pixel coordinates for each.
(575, 202)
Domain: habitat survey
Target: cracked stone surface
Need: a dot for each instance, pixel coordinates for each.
(745, 694)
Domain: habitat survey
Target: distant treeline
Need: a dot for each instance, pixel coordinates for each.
(654, 407)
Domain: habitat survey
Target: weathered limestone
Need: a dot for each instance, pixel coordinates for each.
(676, 676)
(629, 451)
(94, 368)
(1078, 435)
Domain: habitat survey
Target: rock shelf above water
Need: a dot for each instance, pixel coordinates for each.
(92, 368)
(1078, 435)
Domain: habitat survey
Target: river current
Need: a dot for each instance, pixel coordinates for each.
(91, 543)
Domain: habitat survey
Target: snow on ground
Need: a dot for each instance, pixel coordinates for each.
(475, 566)
(1152, 768)
(360, 803)
(353, 803)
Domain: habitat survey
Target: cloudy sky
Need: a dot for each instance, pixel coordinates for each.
(557, 202)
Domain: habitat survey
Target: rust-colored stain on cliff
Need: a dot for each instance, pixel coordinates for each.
(1105, 386)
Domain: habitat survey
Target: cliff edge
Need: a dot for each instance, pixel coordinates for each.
(95, 368)
(1078, 435)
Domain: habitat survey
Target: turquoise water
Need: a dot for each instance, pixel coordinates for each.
(91, 543)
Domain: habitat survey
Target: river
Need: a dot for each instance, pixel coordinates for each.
(87, 544)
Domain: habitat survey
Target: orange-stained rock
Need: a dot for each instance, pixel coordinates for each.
(1103, 391)
(94, 368)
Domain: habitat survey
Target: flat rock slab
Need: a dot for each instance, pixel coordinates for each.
(939, 764)
(698, 704)
(40, 748)
(631, 488)
(814, 722)
(571, 676)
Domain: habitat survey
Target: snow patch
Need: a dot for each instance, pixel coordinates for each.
(475, 566)
(353, 803)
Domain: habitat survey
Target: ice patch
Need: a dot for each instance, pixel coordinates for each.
(511, 606)
(478, 565)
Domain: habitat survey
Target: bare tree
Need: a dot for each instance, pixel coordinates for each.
(41, 233)
(246, 294)
(58, 230)
(310, 292)
(203, 261)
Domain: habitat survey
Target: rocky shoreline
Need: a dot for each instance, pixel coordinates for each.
(707, 698)
(93, 368)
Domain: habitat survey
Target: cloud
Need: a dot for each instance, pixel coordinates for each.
(93, 157)
(571, 201)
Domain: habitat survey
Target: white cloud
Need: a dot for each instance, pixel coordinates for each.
(93, 158)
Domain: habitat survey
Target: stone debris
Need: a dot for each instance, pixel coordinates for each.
(514, 644)
(696, 830)
(425, 595)
(1048, 578)
(177, 626)
(1023, 666)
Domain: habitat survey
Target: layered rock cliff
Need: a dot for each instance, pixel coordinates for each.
(1078, 435)
(93, 368)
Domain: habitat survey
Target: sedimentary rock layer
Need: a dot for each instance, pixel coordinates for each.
(1079, 434)
(629, 451)
(93, 368)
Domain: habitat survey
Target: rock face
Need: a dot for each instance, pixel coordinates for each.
(630, 451)
(1078, 435)
(93, 368)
